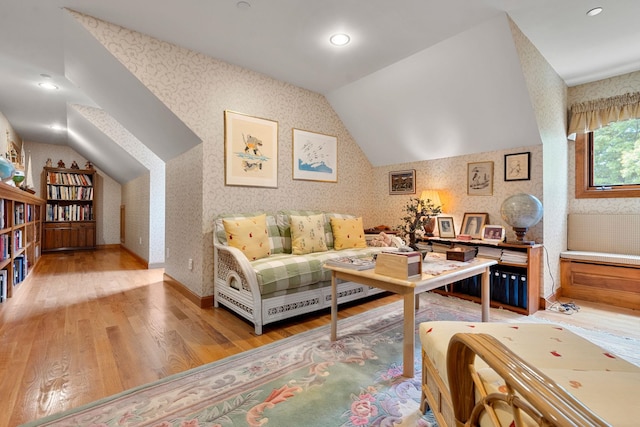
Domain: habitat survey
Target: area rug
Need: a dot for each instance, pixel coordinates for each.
(302, 380)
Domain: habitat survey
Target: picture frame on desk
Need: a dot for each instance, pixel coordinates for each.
(493, 233)
(472, 224)
(446, 228)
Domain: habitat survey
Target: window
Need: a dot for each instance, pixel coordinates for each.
(607, 161)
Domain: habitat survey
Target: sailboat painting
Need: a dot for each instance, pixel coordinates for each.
(480, 179)
(315, 156)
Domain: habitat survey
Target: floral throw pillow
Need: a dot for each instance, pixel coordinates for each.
(250, 235)
(307, 234)
(348, 233)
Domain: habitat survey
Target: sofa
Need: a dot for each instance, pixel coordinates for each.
(602, 260)
(282, 275)
(481, 372)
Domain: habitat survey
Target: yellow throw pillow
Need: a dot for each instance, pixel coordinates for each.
(307, 234)
(348, 233)
(250, 235)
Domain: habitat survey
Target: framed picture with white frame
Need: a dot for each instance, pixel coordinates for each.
(493, 233)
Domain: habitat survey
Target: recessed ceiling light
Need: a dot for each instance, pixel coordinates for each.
(47, 85)
(339, 39)
(243, 5)
(595, 11)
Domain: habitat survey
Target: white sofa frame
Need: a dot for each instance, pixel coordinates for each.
(236, 287)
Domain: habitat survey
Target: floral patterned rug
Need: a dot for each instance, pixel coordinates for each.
(302, 380)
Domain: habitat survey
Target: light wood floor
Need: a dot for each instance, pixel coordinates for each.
(86, 325)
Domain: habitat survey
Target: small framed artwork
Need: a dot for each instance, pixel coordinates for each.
(480, 179)
(315, 156)
(250, 150)
(493, 233)
(516, 166)
(472, 224)
(402, 182)
(445, 227)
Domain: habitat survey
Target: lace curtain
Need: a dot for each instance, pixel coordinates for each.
(587, 116)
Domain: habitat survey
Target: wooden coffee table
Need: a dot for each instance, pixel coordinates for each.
(410, 289)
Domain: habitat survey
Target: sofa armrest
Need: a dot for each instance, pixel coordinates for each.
(528, 389)
(233, 268)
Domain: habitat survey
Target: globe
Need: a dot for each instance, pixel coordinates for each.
(521, 211)
(6, 168)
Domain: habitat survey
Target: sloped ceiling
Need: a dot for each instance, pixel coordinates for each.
(90, 66)
(464, 95)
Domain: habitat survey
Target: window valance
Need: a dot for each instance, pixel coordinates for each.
(590, 115)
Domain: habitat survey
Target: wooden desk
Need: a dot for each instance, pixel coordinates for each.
(410, 289)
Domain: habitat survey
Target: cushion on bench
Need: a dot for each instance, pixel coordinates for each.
(602, 257)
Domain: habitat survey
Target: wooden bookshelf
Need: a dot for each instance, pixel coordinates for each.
(529, 268)
(69, 221)
(20, 236)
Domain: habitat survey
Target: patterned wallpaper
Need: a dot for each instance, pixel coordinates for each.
(548, 96)
(198, 89)
(151, 230)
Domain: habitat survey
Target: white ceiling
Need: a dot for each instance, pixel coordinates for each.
(287, 40)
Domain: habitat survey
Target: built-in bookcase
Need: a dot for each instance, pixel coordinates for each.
(20, 236)
(70, 217)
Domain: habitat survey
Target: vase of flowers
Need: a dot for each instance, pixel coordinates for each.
(418, 215)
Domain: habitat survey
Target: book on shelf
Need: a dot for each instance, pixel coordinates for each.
(352, 262)
(3, 285)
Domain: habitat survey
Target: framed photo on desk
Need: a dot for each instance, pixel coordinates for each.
(446, 229)
(472, 224)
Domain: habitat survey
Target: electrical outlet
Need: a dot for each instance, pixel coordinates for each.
(140, 240)
(167, 256)
(190, 264)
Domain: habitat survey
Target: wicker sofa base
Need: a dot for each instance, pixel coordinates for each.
(273, 309)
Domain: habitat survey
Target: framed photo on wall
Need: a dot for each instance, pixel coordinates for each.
(480, 179)
(472, 224)
(250, 150)
(402, 182)
(315, 156)
(445, 227)
(516, 166)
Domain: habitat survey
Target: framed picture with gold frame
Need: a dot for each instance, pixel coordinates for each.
(250, 150)
(480, 179)
(473, 223)
(402, 182)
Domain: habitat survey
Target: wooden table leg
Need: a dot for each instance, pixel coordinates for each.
(334, 307)
(486, 294)
(408, 344)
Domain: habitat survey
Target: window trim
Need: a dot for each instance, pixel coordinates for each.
(583, 167)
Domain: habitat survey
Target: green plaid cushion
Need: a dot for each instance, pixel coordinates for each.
(284, 272)
(275, 241)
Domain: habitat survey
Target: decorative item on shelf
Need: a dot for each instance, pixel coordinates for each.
(6, 168)
(74, 165)
(418, 213)
(48, 163)
(61, 164)
(88, 165)
(431, 196)
(18, 177)
(521, 211)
